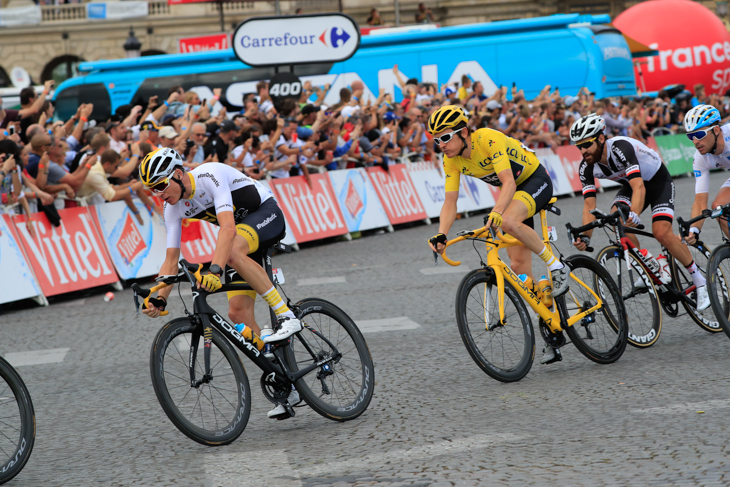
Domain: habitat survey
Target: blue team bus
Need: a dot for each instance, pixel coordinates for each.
(565, 51)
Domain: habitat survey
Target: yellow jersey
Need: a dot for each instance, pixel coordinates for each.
(491, 153)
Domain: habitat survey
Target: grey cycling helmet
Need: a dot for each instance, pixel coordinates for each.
(589, 126)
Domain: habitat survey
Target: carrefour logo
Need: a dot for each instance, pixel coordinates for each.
(337, 37)
(268, 41)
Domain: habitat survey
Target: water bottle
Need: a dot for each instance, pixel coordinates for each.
(666, 276)
(546, 291)
(528, 282)
(267, 346)
(650, 262)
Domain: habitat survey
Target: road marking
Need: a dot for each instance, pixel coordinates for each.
(260, 468)
(443, 269)
(317, 281)
(387, 324)
(37, 357)
(689, 407)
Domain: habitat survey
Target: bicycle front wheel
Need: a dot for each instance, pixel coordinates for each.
(643, 313)
(340, 388)
(212, 410)
(705, 319)
(602, 335)
(718, 270)
(504, 351)
(17, 423)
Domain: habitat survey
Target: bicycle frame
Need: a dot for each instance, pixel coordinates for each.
(501, 270)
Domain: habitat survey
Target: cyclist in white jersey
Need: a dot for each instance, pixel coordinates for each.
(250, 222)
(644, 181)
(702, 124)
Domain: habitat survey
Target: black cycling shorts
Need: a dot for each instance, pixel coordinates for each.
(262, 229)
(536, 191)
(659, 194)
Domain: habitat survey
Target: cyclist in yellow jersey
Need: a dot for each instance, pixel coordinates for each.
(525, 189)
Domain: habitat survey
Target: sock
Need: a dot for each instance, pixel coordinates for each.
(274, 300)
(697, 278)
(552, 263)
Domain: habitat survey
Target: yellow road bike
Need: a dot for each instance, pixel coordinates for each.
(497, 329)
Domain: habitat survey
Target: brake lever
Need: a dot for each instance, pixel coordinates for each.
(136, 302)
(435, 259)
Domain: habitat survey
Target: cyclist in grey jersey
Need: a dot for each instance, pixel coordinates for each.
(644, 181)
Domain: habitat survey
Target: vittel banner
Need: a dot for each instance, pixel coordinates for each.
(312, 213)
(397, 193)
(69, 257)
(358, 200)
(299, 39)
(13, 264)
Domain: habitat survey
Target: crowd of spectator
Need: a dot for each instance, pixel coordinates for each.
(47, 164)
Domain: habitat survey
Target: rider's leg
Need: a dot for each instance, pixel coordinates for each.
(662, 231)
(240, 309)
(631, 236)
(723, 198)
(245, 242)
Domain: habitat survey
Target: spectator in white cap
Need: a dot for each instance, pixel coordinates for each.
(167, 136)
(493, 105)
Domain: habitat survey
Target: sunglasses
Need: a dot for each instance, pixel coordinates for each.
(444, 139)
(586, 144)
(160, 187)
(699, 135)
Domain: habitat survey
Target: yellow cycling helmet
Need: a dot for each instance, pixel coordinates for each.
(159, 165)
(447, 117)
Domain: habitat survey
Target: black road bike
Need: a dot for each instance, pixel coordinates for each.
(718, 266)
(208, 398)
(644, 294)
(17, 423)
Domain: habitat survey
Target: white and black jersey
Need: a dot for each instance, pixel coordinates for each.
(627, 159)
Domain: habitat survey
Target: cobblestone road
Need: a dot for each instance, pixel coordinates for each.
(436, 419)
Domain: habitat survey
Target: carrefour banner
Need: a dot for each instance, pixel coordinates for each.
(358, 200)
(136, 249)
(677, 152)
(13, 264)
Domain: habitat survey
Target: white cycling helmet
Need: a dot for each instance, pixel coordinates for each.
(159, 165)
(589, 126)
(701, 116)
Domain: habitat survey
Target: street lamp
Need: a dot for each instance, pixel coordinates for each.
(132, 45)
(721, 8)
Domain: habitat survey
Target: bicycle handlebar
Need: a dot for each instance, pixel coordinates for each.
(600, 221)
(474, 234)
(189, 270)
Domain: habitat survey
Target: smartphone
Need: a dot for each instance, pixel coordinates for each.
(514, 85)
(556, 88)
(189, 144)
(202, 103)
(256, 170)
(11, 129)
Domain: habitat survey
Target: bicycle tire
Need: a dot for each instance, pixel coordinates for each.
(352, 376)
(17, 436)
(643, 311)
(717, 285)
(476, 335)
(611, 336)
(169, 360)
(680, 276)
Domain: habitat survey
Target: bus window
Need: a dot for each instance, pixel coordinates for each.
(68, 101)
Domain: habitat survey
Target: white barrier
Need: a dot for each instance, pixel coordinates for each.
(358, 200)
(136, 250)
(22, 284)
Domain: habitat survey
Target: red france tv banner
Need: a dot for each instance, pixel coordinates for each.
(212, 42)
(312, 213)
(397, 194)
(66, 258)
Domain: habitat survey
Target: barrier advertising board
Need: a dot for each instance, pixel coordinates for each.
(312, 213)
(136, 250)
(69, 257)
(677, 153)
(199, 248)
(397, 193)
(550, 161)
(358, 200)
(22, 284)
(430, 185)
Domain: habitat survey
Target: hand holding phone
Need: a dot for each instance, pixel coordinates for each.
(11, 129)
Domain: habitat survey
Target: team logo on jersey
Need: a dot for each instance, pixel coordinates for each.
(698, 174)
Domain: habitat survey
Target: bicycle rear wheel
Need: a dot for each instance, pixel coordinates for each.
(601, 336)
(17, 423)
(718, 270)
(339, 389)
(643, 313)
(680, 276)
(214, 412)
(505, 352)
